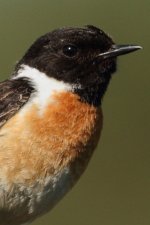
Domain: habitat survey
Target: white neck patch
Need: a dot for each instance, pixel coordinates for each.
(45, 86)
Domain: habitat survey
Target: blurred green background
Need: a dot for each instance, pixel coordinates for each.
(115, 189)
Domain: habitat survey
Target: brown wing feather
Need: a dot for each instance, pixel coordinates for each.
(13, 95)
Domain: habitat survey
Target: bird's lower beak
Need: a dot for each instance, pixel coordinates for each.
(117, 50)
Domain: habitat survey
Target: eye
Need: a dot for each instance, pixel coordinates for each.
(70, 50)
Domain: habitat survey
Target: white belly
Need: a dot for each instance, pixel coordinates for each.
(32, 201)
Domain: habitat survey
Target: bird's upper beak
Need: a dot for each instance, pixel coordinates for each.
(117, 50)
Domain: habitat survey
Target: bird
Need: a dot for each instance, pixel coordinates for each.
(51, 118)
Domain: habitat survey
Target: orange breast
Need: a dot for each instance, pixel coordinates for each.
(33, 145)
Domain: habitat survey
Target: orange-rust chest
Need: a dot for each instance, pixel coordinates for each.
(67, 130)
(44, 153)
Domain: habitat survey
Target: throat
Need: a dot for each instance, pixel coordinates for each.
(92, 94)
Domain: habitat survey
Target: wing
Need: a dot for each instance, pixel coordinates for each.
(13, 95)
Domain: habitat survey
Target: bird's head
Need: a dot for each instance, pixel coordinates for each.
(85, 58)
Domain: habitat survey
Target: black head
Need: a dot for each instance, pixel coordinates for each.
(83, 57)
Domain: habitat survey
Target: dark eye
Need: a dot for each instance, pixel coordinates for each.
(70, 50)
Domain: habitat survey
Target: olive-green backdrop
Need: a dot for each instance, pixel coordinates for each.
(115, 189)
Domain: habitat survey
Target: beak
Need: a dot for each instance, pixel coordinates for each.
(117, 50)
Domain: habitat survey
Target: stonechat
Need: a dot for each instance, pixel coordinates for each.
(51, 118)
